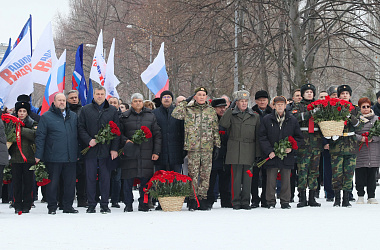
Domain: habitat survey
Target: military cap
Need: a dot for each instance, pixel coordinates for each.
(344, 87)
(200, 89)
(24, 105)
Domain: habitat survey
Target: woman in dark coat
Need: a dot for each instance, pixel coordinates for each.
(140, 165)
(22, 177)
(274, 127)
(368, 158)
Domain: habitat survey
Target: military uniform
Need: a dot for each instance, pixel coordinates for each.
(201, 135)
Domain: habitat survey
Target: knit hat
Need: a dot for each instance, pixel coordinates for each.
(166, 92)
(241, 95)
(261, 93)
(306, 87)
(24, 105)
(218, 102)
(200, 89)
(344, 87)
(333, 89)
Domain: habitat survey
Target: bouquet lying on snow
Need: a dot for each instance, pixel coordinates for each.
(167, 184)
(280, 147)
(374, 131)
(105, 135)
(42, 177)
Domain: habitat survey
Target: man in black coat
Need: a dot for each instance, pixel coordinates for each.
(140, 163)
(262, 108)
(275, 127)
(57, 146)
(92, 119)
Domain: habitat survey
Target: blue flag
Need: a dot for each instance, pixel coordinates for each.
(7, 51)
(90, 94)
(79, 81)
(24, 31)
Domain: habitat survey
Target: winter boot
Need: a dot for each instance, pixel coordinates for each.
(312, 202)
(204, 205)
(302, 198)
(346, 199)
(360, 200)
(337, 198)
(192, 205)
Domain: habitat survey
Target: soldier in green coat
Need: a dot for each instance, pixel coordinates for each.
(343, 152)
(243, 125)
(309, 154)
(201, 136)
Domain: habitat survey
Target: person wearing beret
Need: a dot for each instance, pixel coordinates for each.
(201, 139)
(22, 160)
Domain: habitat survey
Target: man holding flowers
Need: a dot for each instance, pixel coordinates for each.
(93, 118)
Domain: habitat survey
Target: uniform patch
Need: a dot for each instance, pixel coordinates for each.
(294, 111)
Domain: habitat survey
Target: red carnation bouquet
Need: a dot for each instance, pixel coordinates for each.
(167, 184)
(105, 135)
(374, 131)
(11, 125)
(141, 135)
(42, 177)
(280, 147)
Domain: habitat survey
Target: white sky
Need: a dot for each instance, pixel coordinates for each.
(14, 14)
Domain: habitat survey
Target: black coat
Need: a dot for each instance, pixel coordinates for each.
(172, 132)
(218, 163)
(270, 133)
(130, 121)
(57, 137)
(376, 108)
(91, 120)
(267, 111)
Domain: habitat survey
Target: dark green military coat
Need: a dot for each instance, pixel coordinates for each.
(243, 131)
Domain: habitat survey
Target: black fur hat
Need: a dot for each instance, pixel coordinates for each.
(344, 87)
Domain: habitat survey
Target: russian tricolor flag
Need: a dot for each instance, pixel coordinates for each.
(155, 76)
(55, 84)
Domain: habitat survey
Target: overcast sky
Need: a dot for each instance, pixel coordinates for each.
(14, 14)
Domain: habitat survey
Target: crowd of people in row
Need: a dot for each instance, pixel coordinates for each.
(215, 142)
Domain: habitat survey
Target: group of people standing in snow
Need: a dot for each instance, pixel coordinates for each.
(213, 141)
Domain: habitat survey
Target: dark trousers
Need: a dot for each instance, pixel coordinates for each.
(1, 179)
(293, 181)
(240, 185)
(327, 174)
(115, 185)
(224, 186)
(81, 183)
(68, 172)
(104, 180)
(271, 185)
(255, 185)
(127, 189)
(366, 177)
(22, 179)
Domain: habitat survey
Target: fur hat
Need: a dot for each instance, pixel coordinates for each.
(24, 105)
(306, 87)
(342, 88)
(241, 95)
(218, 102)
(333, 89)
(261, 93)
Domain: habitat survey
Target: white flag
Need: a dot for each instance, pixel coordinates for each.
(16, 73)
(98, 68)
(111, 80)
(44, 57)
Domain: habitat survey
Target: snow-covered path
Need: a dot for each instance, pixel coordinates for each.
(307, 228)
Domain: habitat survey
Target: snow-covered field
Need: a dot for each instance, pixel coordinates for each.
(303, 228)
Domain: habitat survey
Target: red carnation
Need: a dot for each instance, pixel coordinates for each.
(116, 131)
(146, 131)
(112, 124)
(339, 108)
(19, 212)
(222, 132)
(293, 142)
(249, 173)
(310, 107)
(5, 182)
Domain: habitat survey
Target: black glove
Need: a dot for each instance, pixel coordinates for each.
(190, 98)
(233, 104)
(216, 153)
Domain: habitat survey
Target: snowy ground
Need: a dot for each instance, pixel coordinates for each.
(307, 228)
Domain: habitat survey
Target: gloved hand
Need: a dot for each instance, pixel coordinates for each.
(190, 98)
(216, 153)
(233, 104)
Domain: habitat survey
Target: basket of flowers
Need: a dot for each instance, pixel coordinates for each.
(170, 188)
(331, 115)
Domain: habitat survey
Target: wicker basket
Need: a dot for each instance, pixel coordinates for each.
(170, 204)
(331, 128)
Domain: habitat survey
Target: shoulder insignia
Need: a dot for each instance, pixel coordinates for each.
(294, 111)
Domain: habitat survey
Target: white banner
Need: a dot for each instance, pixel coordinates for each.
(98, 68)
(111, 80)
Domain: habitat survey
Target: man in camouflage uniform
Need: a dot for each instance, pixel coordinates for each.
(201, 135)
(342, 150)
(309, 154)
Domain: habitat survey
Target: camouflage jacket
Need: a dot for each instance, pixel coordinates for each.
(201, 126)
(313, 141)
(347, 145)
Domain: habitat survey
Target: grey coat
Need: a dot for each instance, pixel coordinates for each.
(3, 146)
(243, 136)
(368, 156)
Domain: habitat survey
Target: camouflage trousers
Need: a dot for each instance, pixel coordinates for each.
(308, 169)
(200, 164)
(343, 167)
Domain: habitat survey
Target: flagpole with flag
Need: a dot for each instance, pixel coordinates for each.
(78, 79)
(90, 93)
(98, 68)
(111, 80)
(155, 76)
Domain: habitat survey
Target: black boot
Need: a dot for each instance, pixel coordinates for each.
(204, 205)
(346, 199)
(192, 205)
(337, 198)
(302, 198)
(312, 202)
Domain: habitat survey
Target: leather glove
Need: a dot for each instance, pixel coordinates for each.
(216, 153)
(233, 104)
(190, 98)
